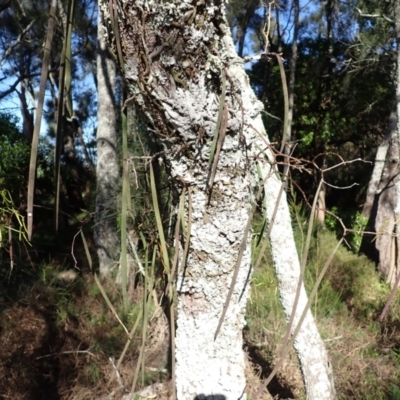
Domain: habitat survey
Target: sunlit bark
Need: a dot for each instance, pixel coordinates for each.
(107, 162)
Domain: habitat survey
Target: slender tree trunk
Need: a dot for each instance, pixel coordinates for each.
(27, 116)
(291, 88)
(309, 346)
(292, 66)
(395, 245)
(76, 171)
(184, 74)
(108, 176)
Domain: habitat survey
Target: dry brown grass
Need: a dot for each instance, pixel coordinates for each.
(68, 349)
(60, 341)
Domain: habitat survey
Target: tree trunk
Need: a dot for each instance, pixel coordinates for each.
(179, 62)
(76, 172)
(27, 116)
(309, 346)
(382, 204)
(383, 245)
(292, 75)
(105, 232)
(286, 146)
(379, 166)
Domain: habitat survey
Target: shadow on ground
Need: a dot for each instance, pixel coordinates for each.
(275, 388)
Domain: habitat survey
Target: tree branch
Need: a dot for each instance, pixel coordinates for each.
(17, 41)
(373, 15)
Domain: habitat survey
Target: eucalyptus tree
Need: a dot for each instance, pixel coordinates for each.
(183, 73)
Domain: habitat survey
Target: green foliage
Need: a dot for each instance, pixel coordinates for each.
(395, 392)
(92, 373)
(358, 226)
(14, 161)
(328, 302)
(264, 300)
(339, 108)
(330, 221)
(14, 157)
(10, 218)
(354, 278)
(353, 220)
(348, 302)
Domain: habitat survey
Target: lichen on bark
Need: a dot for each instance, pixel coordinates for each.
(178, 56)
(107, 174)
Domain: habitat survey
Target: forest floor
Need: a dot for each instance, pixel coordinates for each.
(364, 353)
(60, 340)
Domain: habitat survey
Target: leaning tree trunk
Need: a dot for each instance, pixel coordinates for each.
(105, 231)
(382, 205)
(183, 73)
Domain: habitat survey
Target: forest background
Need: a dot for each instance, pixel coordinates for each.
(63, 329)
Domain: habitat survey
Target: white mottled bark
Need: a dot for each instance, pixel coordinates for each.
(205, 367)
(308, 344)
(177, 56)
(105, 231)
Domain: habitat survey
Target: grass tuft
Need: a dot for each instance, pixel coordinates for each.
(363, 352)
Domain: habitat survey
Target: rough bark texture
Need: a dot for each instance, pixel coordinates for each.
(105, 232)
(382, 246)
(378, 166)
(378, 209)
(177, 56)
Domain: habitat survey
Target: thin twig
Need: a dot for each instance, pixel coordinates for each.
(117, 374)
(72, 250)
(66, 352)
